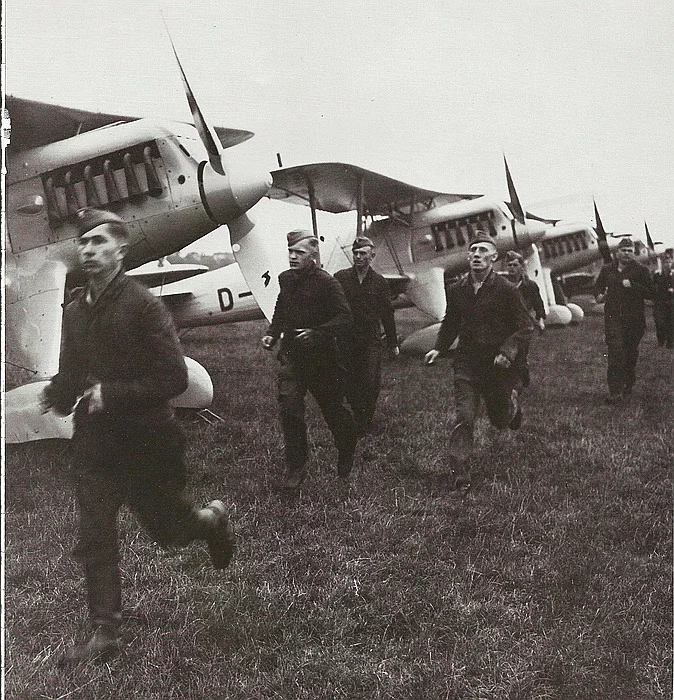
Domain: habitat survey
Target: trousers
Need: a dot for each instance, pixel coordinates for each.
(363, 382)
(119, 464)
(474, 381)
(622, 338)
(664, 322)
(324, 379)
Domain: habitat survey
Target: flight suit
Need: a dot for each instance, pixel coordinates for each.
(533, 303)
(311, 299)
(490, 322)
(362, 348)
(624, 320)
(132, 451)
(663, 284)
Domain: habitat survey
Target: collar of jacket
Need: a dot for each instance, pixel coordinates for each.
(354, 272)
(488, 280)
(111, 291)
(304, 272)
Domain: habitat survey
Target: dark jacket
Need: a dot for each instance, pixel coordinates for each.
(531, 296)
(488, 323)
(370, 302)
(309, 298)
(663, 286)
(624, 303)
(127, 342)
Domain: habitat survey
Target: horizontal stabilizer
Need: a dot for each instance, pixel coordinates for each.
(154, 275)
(422, 341)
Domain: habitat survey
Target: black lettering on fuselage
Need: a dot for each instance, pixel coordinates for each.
(226, 299)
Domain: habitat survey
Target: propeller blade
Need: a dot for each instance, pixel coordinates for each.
(601, 236)
(261, 257)
(515, 205)
(649, 240)
(205, 134)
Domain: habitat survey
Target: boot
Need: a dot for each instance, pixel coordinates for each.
(220, 536)
(345, 460)
(293, 478)
(515, 411)
(101, 646)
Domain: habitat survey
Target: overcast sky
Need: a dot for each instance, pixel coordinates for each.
(579, 96)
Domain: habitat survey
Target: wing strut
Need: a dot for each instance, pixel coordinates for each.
(312, 203)
(359, 206)
(391, 248)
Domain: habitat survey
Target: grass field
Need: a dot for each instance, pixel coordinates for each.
(553, 581)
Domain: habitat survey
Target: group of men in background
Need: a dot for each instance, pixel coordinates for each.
(622, 286)
(331, 346)
(330, 330)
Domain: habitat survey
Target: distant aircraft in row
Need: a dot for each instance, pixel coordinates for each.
(414, 257)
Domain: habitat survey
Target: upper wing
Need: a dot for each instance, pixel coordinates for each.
(38, 123)
(337, 187)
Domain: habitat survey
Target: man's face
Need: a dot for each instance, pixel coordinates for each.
(363, 257)
(515, 269)
(301, 255)
(625, 254)
(666, 264)
(481, 256)
(100, 252)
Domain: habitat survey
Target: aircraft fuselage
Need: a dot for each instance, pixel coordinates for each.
(440, 236)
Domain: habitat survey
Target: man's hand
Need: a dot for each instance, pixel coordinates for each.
(541, 324)
(93, 393)
(394, 352)
(627, 284)
(268, 342)
(431, 357)
(502, 361)
(600, 298)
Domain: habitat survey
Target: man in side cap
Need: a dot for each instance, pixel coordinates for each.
(369, 297)
(311, 312)
(120, 363)
(622, 285)
(663, 298)
(531, 297)
(486, 313)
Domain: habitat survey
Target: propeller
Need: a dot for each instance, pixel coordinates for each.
(601, 236)
(514, 202)
(649, 240)
(225, 195)
(204, 131)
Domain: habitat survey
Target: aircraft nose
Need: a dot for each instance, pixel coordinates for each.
(250, 182)
(227, 197)
(535, 231)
